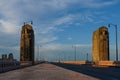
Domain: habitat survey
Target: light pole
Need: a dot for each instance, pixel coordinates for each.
(64, 56)
(75, 51)
(40, 54)
(87, 57)
(59, 59)
(109, 25)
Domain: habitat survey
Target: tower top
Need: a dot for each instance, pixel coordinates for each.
(27, 26)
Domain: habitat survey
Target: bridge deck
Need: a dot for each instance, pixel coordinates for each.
(44, 71)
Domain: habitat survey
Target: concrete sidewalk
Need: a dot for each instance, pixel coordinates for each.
(44, 72)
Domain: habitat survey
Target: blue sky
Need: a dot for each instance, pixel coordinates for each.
(58, 24)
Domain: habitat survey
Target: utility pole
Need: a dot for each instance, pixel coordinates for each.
(109, 25)
(87, 57)
(40, 54)
(75, 52)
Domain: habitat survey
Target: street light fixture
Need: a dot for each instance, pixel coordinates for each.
(28, 22)
(109, 25)
(75, 51)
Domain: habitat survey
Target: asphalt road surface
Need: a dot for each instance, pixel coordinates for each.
(102, 73)
(45, 71)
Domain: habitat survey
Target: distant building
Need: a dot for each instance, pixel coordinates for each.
(100, 45)
(27, 43)
(4, 57)
(10, 57)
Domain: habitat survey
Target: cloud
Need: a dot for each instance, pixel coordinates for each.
(47, 39)
(64, 20)
(18, 11)
(69, 38)
(46, 31)
(49, 17)
(63, 47)
(96, 3)
(16, 48)
(53, 25)
(8, 27)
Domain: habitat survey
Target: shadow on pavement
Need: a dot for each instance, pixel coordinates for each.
(109, 73)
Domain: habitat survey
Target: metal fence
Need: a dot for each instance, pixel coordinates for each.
(8, 65)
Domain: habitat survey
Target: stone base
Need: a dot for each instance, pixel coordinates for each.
(109, 63)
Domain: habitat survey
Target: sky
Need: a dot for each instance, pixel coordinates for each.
(59, 26)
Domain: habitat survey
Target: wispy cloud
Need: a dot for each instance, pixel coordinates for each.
(8, 27)
(69, 38)
(18, 11)
(97, 3)
(49, 17)
(47, 39)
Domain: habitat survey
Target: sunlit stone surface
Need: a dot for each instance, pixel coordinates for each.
(27, 43)
(44, 72)
(100, 47)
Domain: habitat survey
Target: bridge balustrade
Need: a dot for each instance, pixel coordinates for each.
(8, 65)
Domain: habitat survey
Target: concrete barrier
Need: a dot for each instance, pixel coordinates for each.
(76, 62)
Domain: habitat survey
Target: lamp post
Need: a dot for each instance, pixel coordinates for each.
(75, 51)
(109, 25)
(87, 57)
(39, 52)
(64, 56)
